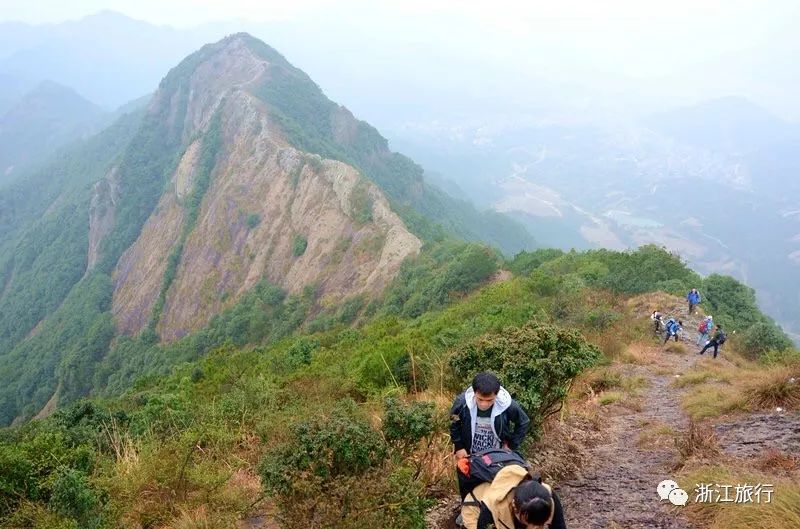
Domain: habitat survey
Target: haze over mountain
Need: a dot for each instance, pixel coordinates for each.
(43, 120)
(716, 182)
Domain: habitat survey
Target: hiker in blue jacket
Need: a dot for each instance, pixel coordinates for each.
(673, 328)
(693, 297)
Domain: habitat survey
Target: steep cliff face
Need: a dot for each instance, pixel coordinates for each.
(243, 204)
(105, 194)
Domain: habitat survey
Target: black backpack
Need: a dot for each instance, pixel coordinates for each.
(484, 466)
(722, 338)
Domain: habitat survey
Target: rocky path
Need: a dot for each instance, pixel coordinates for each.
(617, 486)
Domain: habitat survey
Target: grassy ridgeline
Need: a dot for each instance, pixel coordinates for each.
(196, 439)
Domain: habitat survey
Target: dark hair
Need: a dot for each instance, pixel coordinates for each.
(533, 502)
(680, 322)
(486, 383)
(719, 327)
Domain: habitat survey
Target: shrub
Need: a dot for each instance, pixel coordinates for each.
(73, 498)
(543, 283)
(386, 497)
(299, 245)
(407, 424)
(253, 219)
(361, 203)
(439, 276)
(300, 352)
(526, 262)
(601, 318)
(762, 337)
(321, 450)
(536, 363)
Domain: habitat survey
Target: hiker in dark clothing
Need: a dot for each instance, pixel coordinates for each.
(716, 342)
(693, 297)
(672, 329)
(484, 417)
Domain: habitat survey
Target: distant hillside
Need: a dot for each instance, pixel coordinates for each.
(732, 125)
(107, 57)
(672, 180)
(43, 120)
(11, 90)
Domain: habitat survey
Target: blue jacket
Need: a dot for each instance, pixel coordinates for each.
(693, 297)
(673, 327)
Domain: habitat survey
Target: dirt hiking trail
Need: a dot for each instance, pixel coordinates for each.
(616, 487)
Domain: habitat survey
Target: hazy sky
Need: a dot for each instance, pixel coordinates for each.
(675, 52)
(634, 37)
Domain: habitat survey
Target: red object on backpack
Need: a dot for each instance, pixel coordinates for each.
(703, 326)
(463, 466)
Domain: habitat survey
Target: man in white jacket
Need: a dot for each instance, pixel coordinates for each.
(485, 416)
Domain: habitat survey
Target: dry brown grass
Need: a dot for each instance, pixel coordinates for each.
(609, 397)
(774, 387)
(126, 452)
(674, 347)
(562, 449)
(721, 387)
(645, 304)
(610, 343)
(698, 442)
(656, 434)
(600, 379)
(193, 518)
(638, 353)
(774, 460)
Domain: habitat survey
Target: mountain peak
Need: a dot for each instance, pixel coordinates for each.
(55, 99)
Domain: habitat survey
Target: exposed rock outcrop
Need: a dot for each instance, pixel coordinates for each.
(264, 196)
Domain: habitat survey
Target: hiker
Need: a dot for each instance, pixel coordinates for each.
(672, 329)
(656, 317)
(704, 329)
(513, 498)
(693, 297)
(482, 418)
(485, 416)
(716, 342)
